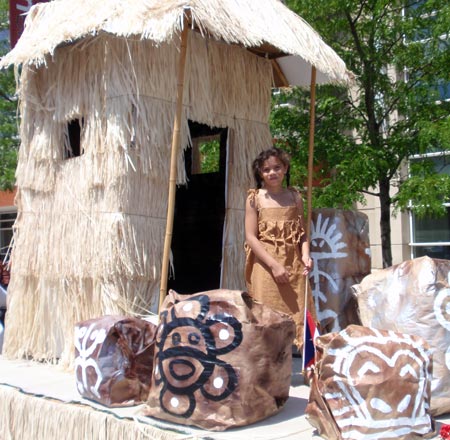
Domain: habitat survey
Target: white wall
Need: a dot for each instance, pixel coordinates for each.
(400, 230)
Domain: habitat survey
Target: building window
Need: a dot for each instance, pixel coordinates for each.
(431, 236)
(6, 233)
(443, 90)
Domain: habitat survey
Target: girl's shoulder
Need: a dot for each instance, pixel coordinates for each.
(257, 198)
(294, 190)
(296, 194)
(252, 195)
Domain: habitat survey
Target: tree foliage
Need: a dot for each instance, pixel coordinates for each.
(400, 57)
(8, 110)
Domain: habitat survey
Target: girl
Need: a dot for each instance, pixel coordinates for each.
(278, 259)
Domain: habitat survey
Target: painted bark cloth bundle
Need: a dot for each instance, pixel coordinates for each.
(221, 360)
(413, 297)
(340, 248)
(371, 384)
(114, 358)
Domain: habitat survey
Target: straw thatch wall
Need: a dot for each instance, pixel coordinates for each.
(27, 416)
(90, 229)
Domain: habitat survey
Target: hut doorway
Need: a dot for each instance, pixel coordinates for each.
(200, 212)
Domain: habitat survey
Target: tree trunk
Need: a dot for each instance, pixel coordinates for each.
(385, 222)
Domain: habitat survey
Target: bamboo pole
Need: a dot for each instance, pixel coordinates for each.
(312, 118)
(173, 165)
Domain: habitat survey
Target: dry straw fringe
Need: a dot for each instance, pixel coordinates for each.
(24, 416)
(244, 23)
(90, 229)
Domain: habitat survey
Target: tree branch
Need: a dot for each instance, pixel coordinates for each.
(359, 13)
(370, 193)
(6, 97)
(357, 109)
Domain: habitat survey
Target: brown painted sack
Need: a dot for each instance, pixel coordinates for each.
(371, 384)
(221, 360)
(113, 359)
(414, 297)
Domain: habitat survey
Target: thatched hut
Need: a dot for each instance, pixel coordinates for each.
(98, 99)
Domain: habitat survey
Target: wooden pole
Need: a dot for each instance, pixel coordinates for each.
(312, 118)
(173, 165)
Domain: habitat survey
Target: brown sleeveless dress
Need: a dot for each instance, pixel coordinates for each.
(280, 230)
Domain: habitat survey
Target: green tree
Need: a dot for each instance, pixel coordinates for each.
(400, 58)
(8, 110)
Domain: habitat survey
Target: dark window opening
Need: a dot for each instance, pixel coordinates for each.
(133, 123)
(73, 145)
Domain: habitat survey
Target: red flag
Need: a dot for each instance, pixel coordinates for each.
(310, 334)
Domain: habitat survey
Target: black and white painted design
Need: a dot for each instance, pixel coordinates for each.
(190, 340)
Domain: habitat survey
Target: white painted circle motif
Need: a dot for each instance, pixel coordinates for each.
(442, 309)
(224, 334)
(218, 383)
(188, 307)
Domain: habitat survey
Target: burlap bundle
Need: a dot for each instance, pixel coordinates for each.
(221, 360)
(114, 358)
(371, 384)
(413, 297)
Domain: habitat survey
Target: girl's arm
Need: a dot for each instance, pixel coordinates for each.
(279, 272)
(304, 243)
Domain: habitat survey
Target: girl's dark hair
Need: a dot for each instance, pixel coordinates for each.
(258, 163)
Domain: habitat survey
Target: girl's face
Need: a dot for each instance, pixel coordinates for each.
(273, 172)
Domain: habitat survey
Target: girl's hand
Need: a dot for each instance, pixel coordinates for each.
(281, 274)
(308, 262)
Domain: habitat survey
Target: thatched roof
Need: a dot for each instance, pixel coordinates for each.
(266, 27)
